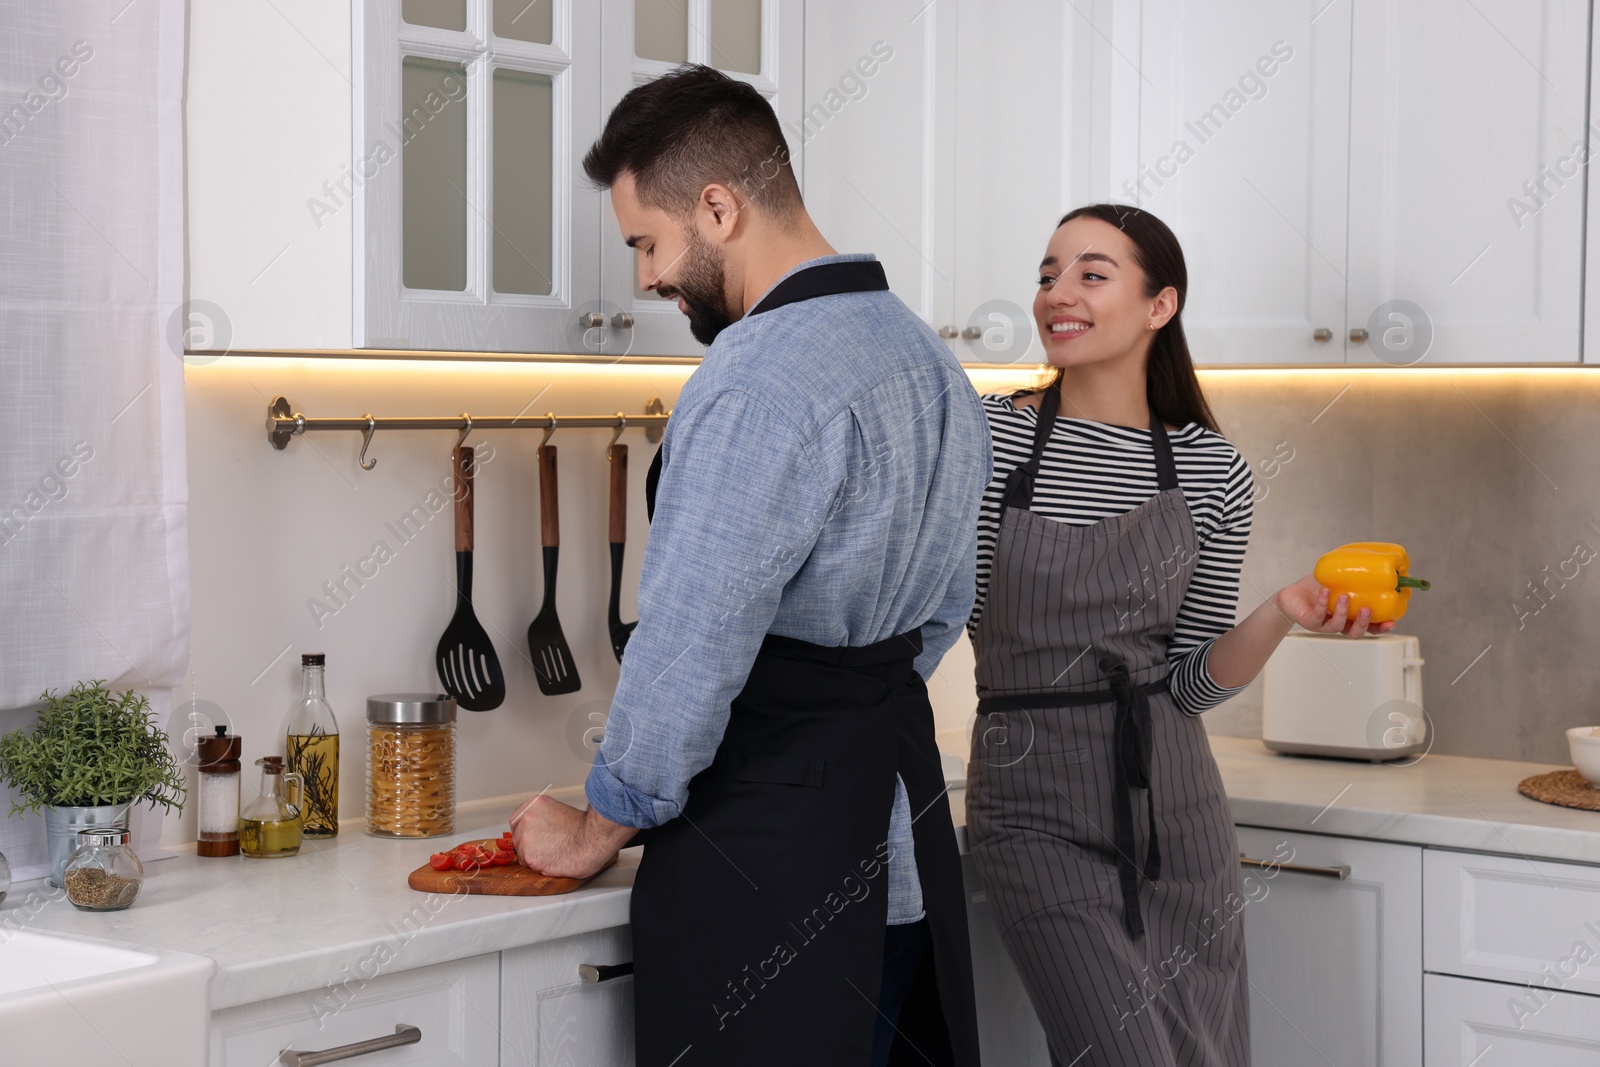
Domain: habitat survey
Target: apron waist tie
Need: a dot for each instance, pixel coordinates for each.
(1131, 737)
(1132, 742)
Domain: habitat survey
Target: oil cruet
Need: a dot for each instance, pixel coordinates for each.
(270, 826)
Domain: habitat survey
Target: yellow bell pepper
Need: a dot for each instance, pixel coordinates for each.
(1373, 573)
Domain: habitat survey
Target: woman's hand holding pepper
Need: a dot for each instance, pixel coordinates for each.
(1306, 603)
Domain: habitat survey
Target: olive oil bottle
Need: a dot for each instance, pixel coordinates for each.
(311, 750)
(270, 825)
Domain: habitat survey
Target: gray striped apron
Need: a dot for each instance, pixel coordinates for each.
(1126, 931)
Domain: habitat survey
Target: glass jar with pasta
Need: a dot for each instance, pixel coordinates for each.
(411, 765)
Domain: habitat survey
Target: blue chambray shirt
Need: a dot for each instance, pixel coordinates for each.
(821, 479)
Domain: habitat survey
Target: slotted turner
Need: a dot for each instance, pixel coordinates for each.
(468, 668)
(620, 631)
(553, 667)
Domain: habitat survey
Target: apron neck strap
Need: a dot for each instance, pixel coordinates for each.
(1166, 469)
(1019, 487)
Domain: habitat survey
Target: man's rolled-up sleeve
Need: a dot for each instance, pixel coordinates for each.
(740, 504)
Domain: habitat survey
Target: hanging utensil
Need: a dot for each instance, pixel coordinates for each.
(468, 668)
(620, 631)
(553, 666)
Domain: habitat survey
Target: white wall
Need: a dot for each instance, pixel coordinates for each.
(268, 528)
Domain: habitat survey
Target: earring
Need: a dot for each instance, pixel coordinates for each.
(1152, 326)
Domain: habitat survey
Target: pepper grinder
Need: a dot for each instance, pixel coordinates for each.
(219, 795)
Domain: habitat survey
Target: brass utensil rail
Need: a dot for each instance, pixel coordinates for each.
(284, 423)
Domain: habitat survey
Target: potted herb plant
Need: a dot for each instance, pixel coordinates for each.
(91, 755)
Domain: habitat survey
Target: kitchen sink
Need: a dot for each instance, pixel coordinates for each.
(75, 1000)
(40, 961)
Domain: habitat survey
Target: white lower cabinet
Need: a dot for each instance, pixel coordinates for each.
(1512, 919)
(554, 1015)
(1335, 963)
(1492, 1024)
(1008, 1030)
(455, 1005)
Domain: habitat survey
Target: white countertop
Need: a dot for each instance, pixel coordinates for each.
(329, 914)
(301, 922)
(1444, 801)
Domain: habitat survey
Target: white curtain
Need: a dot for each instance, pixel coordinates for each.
(94, 568)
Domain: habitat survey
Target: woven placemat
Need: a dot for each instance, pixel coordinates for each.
(1566, 788)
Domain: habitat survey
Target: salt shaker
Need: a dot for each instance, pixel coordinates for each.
(219, 795)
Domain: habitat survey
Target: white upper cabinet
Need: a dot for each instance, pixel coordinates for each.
(1400, 181)
(477, 228)
(948, 139)
(879, 140)
(408, 174)
(1243, 151)
(1466, 191)
(1346, 178)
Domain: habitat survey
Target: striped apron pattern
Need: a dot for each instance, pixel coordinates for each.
(1122, 927)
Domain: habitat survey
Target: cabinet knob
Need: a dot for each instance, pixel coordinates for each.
(1358, 335)
(591, 320)
(971, 333)
(622, 320)
(1322, 333)
(947, 332)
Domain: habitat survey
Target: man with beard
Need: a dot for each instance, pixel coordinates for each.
(811, 558)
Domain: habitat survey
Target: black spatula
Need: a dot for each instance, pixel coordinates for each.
(620, 631)
(553, 667)
(469, 670)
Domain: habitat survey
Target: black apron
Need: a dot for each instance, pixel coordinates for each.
(759, 913)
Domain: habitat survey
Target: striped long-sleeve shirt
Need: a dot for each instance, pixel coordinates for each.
(1093, 470)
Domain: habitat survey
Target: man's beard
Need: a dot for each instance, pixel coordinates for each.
(702, 287)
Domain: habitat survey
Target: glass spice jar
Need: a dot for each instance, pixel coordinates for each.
(103, 874)
(411, 765)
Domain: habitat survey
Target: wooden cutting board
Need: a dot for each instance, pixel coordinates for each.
(513, 881)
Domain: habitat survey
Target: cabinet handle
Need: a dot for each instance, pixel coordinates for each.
(591, 320)
(403, 1035)
(1322, 333)
(971, 333)
(622, 320)
(948, 332)
(1340, 872)
(603, 972)
(1358, 335)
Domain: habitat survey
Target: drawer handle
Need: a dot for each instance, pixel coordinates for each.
(1340, 872)
(603, 972)
(403, 1035)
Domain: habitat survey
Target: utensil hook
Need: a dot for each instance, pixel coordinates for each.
(548, 429)
(465, 429)
(622, 424)
(366, 442)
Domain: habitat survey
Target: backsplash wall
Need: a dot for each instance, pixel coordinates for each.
(1483, 475)
(1489, 479)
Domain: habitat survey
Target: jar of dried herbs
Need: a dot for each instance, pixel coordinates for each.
(103, 874)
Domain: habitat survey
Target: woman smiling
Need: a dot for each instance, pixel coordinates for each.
(1110, 545)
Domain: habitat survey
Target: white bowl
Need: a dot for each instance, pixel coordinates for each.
(1584, 744)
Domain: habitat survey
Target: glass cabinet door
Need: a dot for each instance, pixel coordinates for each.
(479, 231)
(756, 41)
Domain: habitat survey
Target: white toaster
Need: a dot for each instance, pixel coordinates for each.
(1328, 695)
